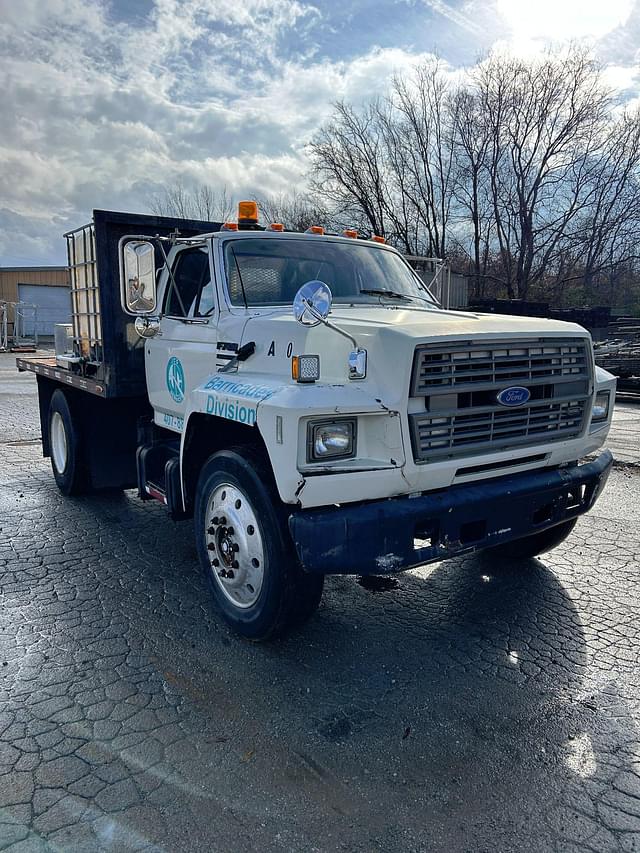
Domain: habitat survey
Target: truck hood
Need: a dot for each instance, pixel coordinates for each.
(420, 323)
(389, 335)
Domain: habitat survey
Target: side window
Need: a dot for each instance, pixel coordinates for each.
(205, 302)
(192, 287)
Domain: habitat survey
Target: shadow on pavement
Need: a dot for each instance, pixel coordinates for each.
(454, 709)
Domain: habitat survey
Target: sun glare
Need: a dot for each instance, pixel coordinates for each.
(553, 21)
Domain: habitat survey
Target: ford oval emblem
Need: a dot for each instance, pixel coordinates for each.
(514, 396)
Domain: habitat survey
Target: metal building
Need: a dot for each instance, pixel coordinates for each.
(45, 287)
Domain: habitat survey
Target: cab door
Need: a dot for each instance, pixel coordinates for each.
(182, 355)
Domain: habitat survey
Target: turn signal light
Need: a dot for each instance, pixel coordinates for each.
(315, 229)
(377, 239)
(248, 212)
(305, 368)
(230, 226)
(276, 226)
(350, 232)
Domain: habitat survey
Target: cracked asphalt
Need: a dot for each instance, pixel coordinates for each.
(464, 706)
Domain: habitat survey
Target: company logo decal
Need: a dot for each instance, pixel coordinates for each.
(514, 396)
(175, 379)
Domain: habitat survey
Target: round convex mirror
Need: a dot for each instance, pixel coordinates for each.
(312, 303)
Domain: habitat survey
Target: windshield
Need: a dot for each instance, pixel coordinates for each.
(272, 270)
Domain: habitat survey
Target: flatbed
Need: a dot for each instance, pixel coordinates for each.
(49, 368)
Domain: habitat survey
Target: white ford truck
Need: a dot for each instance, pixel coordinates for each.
(304, 398)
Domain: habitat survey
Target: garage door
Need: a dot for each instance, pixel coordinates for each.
(54, 306)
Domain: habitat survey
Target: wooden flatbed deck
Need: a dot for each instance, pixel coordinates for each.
(48, 367)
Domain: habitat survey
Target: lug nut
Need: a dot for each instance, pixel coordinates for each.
(215, 562)
(235, 564)
(211, 546)
(211, 531)
(235, 547)
(230, 531)
(215, 520)
(222, 574)
(230, 574)
(222, 520)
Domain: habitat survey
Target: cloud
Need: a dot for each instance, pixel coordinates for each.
(550, 20)
(101, 105)
(460, 17)
(605, 27)
(100, 113)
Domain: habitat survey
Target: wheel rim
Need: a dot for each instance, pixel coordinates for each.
(235, 546)
(59, 451)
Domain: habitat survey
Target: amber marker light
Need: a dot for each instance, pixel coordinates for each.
(248, 212)
(377, 239)
(350, 232)
(230, 226)
(305, 368)
(276, 226)
(315, 229)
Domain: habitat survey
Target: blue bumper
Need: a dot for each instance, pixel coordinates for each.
(385, 536)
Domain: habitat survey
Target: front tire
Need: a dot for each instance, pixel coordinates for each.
(534, 545)
(245, 549)
(65, 447)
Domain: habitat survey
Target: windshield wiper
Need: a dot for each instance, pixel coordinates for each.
(393, 294)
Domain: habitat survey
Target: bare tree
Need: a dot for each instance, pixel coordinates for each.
(523, 170)
(201, 202)
(295, 210)
(547, 119)
(472, 143)
(605, 234)
(349, 157)
(425, 138)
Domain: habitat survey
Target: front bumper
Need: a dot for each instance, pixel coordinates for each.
(385, 536)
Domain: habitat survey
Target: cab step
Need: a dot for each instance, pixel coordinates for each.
(158, 467)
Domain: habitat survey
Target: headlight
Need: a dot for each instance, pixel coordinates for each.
(331, 439)
(600, 410)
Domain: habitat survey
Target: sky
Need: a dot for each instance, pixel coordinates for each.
(104, 102)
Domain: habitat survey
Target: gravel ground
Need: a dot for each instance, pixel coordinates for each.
(462, 707)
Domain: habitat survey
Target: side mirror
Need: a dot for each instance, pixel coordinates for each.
(137, 276)
(147, 327)
(312, 303)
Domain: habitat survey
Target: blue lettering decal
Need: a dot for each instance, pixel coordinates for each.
(240, 389)
(230, 410)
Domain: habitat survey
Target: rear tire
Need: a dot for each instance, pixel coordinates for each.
(534, 545)
(65, 447)
(246, 551)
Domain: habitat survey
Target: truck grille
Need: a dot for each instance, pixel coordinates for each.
(460, 382)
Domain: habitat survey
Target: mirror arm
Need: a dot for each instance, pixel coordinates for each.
(311, 309)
